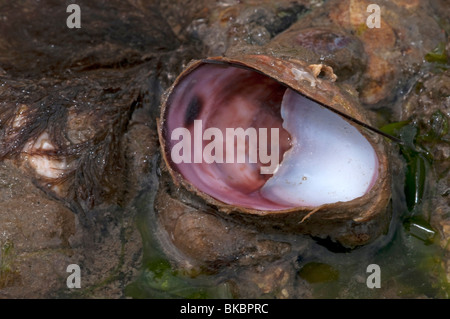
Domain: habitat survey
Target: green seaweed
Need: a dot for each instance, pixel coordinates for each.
(415, 178)
(437, 55)
(160, 280)
(417, 158)
(8, 273)
(414, 147)
(392, 128)
(315, 272)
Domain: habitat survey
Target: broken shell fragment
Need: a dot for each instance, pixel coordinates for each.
(269, 141)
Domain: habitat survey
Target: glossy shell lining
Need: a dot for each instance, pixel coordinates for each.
(322, 158)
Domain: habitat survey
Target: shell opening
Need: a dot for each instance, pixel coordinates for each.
(315, 156)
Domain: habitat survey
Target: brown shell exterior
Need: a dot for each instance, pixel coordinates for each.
(351, 223)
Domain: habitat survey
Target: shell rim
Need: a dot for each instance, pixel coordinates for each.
(380, 189)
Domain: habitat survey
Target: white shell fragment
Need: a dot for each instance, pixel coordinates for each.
(329, 161)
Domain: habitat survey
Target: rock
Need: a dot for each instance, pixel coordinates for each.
(40, 237)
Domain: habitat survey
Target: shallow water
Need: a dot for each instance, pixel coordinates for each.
(411, 266)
